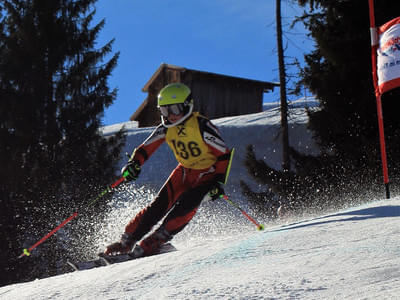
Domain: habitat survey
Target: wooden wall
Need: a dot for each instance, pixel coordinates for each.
(222, 97)
(214, 96)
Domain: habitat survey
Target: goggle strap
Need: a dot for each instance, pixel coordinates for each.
(188, 99)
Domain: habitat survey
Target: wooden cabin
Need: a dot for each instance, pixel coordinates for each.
(215, 95)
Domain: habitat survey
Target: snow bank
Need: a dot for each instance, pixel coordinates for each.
(350, 254)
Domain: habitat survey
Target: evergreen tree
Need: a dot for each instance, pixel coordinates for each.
(53, 92)
(338, 72)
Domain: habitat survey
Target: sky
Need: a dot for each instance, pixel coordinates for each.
(230, 37)
(340, 253)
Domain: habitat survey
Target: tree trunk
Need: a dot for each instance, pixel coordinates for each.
(282, 79)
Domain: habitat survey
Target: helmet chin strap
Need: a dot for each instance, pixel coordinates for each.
(179, 121)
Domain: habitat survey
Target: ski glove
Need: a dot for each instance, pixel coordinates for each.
(216, 192)
(131, 170)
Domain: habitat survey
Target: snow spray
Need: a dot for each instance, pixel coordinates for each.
(27, 252)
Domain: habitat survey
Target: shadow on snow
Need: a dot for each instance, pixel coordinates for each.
(389, 211)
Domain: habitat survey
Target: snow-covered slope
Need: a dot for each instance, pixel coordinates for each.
(260, 129)
(351, 254)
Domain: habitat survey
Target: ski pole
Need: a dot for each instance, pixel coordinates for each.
(27, 252)
(228, 169)
(259, 226)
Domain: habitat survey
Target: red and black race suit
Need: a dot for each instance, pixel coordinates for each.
(202, 161)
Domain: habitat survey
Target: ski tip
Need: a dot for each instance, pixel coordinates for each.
(261, 227)
(72, 265)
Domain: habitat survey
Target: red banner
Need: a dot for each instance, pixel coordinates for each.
(388, 52)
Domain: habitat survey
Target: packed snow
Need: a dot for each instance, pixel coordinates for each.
(343, 254)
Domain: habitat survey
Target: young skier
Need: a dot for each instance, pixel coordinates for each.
(202, 162)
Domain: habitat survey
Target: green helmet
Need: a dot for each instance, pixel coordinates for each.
(175, 98)
(174, 93)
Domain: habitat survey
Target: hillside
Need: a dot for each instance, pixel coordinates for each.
(346, 254)
(350, 254)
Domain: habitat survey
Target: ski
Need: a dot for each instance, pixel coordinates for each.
(105, 260)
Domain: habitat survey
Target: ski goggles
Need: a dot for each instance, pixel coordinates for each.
(174, 109)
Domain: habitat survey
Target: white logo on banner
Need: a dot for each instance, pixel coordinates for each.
(389, 59)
